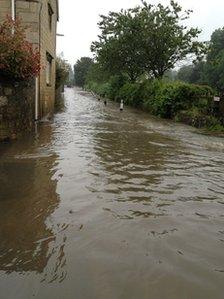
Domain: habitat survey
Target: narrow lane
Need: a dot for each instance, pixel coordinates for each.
(108, 204)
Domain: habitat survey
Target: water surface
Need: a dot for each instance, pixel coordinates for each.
(107, 204)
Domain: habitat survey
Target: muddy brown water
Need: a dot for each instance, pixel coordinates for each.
(107, 204)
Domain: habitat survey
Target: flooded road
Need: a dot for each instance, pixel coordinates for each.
(104, 204)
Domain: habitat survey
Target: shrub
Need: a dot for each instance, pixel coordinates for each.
(128, 93)
(171, 98)
(165, 99)
(116, 83)
(102, 89)
(133, 94)
(62, 72)
(18, 59)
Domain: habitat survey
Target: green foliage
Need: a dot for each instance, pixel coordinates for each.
(107, 88)
(62, 72)
(216, 126)
(210, 71)
(185, 72)
(145, 39)
(215, 60)
(96, 73)
(81, 69)
(161, 98)
(139, 46)
(197, 118)
(173, 97)
(116, 82)
(170, 75)
(130, 94)
(70, 79)
(193, 73)
(166, 98)
(101, 89)
(134, 94)
(18, 58)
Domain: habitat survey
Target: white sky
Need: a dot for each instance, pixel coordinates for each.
(79, 18)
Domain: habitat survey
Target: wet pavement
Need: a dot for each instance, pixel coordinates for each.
(107, 204)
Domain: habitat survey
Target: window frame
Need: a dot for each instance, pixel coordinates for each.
(49, 60)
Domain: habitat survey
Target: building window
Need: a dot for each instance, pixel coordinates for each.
(49, 59)
(50, 16)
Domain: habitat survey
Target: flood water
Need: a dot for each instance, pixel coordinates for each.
(106, 204)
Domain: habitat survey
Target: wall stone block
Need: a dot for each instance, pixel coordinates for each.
(17, 106)
(3, 101)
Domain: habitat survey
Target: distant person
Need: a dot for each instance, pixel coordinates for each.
(105, 102)
(122, 105)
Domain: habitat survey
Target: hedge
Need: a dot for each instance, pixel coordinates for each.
(164, 99)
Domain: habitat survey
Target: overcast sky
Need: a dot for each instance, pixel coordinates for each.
(79, 18)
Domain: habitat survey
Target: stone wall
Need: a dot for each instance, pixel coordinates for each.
(17, 108)
(34, 15)
(5, 9)
(47, 45)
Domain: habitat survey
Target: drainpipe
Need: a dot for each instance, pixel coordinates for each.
(36, 98)
(13, 13)
(13, 10)
(37, 79)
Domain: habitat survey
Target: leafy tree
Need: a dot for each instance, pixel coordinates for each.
(97, 73)
(70, 78)
(170, 75)
(118, 49)
(193, 73)
(185, 73)
(198, 75)
(146, 39)
(81, 69)
(62, 72)
(215, 60)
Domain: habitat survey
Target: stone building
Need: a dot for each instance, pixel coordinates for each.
(40, 16)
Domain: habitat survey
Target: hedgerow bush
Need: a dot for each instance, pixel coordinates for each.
(165, 99)
(130, 94)
(102, 89)
(171, 98)
(62, 72)
(116, 83)
(18, 59)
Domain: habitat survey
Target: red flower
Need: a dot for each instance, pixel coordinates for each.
(18, 58)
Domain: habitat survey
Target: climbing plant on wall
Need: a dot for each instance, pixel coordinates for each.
(19, 60)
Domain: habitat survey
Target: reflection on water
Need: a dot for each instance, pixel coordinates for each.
(103, 204)
(27, 198)
(59, 101)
